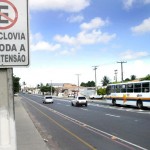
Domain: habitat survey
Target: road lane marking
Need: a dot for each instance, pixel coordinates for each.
(84, 109)
(88, 127)
(112, 115)
(59, 103)
(62, 127)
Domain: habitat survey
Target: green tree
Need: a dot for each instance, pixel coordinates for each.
(47, 89)
(133, 77)
(88, 84)
(101, 91)
(16, 85)
(83, 84)
(47, 84)
(146, 78)
(105, 81)
(127, 79)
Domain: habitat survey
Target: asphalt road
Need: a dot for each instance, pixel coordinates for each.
(95, 127)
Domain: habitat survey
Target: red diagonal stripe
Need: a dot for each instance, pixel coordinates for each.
(5, 16)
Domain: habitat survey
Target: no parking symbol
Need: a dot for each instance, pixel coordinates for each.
(8, 14)
(14, 33)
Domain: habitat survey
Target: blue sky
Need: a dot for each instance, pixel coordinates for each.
(69, 37)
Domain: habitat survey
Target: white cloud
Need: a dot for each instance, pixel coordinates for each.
(128, 3)
(84, 38)
(90, 34)
(69, 51)
(35, 37)
(64, 52)
(146, 1)
(74, 18)
(65, 39)
(38, 44)
(129, 54)
(63, 5)
(143, 27)
(93, 24)
(42, 45)
(95, 36)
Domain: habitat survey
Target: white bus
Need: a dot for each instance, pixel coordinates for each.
(129, 93)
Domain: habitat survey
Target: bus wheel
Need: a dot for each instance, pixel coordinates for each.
(139, 104)
(114, 102)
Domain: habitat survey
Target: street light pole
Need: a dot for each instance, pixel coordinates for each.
(51, 87)
(95, 67)
(78, 82)
(116, 74)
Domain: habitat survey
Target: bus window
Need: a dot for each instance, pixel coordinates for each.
(117, 88)
(113, 90)
(145, 87)
(137, 87)
(130, 88)
(123, 88)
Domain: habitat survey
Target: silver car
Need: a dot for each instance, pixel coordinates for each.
(48, 99)
(79, 101)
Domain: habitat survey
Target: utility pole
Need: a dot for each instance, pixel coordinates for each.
(95, 68)
(116, 74)
(51, 87)
(78, 82)
(121, 62)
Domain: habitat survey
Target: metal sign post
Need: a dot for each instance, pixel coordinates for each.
(14, 51)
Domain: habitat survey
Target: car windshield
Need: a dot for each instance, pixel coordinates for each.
(81, 98)
(49, 97)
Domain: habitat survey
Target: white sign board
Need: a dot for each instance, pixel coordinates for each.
(14, 33)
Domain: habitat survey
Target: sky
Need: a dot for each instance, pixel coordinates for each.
(68, 38)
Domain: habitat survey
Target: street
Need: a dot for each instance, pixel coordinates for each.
(97, 126)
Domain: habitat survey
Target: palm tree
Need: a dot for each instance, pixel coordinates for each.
(105, 81)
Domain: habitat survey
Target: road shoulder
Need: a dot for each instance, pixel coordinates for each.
(28, 137)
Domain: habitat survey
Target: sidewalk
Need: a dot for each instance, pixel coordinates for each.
(28, 138)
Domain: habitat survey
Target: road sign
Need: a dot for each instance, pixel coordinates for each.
(14, 33)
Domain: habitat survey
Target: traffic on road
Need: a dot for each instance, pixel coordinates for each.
(98, 126)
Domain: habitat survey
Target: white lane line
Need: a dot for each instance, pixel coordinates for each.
(84, 109)
(143, 112)
(112, 115)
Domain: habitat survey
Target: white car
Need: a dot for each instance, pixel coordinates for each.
(48, 99)
(95, 96)
(79, 101)
(71, 95)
